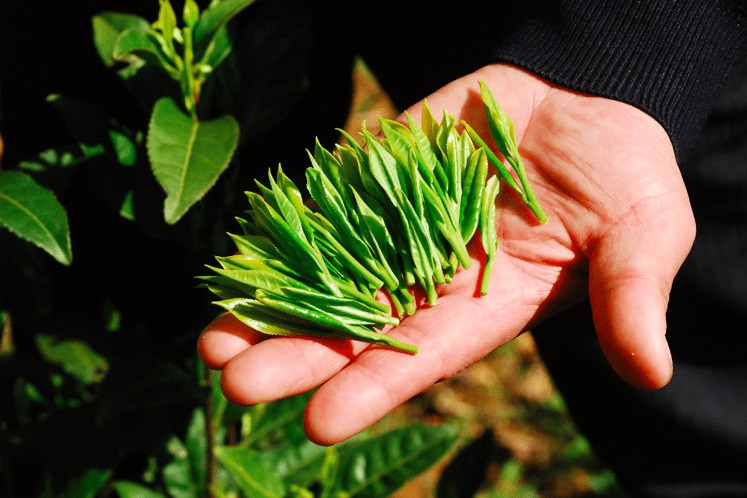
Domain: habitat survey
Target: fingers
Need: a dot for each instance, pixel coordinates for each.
(281, 367)
(257, 370)
(223, 339)
(361, 383)
(452, 335)
(631, 274)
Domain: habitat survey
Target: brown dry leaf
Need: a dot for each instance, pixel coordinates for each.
(369, 102)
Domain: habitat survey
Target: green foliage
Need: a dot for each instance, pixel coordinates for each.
(34, 213)
(100, 393)
(273, 459)
(188, 155)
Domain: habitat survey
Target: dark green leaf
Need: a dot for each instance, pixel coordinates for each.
(378, 467)
(87, 485)
(254, 475)
(75, 357)
(196, 444)
(299, 464)
(127, 489)
(178, 474)
(33, 213)
(107, 27)
(55, 168)
(144, 45)
(278, 416)
(187, 156)
(213, 19)
(218, 50)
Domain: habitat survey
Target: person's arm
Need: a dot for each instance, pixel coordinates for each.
(606, 173)
(619, 227)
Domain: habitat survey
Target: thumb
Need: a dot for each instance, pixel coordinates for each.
(630, 276)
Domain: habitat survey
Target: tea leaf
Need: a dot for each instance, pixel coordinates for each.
(487, 229)
(254, 475)
(377, 467)
(108, 26)
(143, 44)
(127, 489)
(213, 19)
(87, 485)
(33, 213)
(398, 213)
(75, 357)
(187, 156)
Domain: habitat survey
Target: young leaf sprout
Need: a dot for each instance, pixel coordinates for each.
(397, 213)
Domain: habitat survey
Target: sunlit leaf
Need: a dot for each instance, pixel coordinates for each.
(187, 156)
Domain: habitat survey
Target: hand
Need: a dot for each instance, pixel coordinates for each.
(619, 227)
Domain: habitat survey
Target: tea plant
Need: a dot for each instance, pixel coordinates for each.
(99, 391)
(270, 456)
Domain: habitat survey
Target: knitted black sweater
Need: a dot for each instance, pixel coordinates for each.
(670, 58)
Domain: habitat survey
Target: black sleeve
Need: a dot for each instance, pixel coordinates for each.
(670, 58)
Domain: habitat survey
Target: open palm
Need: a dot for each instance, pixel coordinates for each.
(619, 226)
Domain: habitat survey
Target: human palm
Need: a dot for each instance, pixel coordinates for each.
(619, 226)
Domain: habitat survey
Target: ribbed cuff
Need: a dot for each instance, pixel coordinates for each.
(670, 58)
